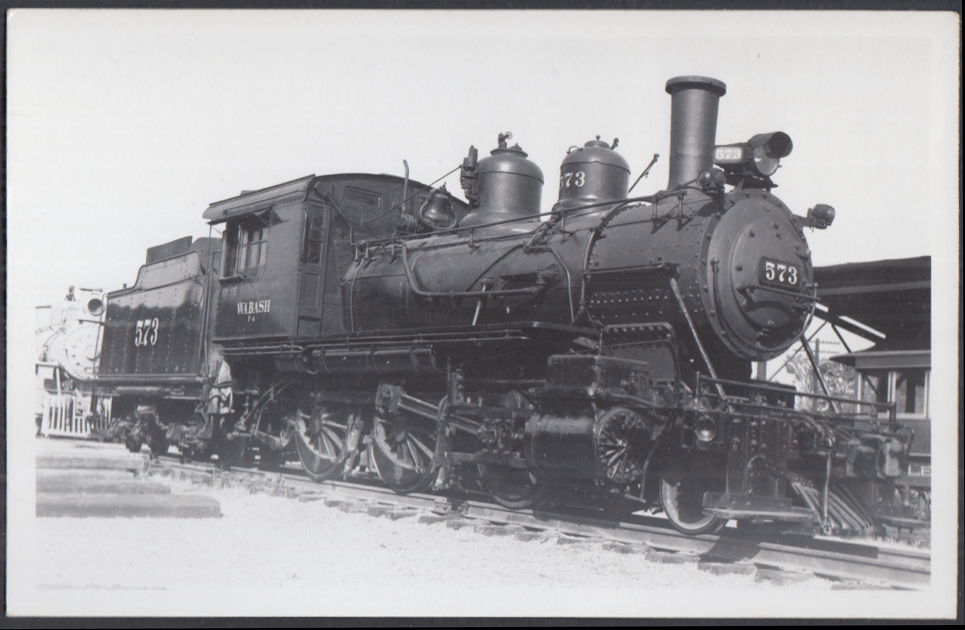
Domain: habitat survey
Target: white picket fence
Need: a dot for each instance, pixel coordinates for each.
(68, 415)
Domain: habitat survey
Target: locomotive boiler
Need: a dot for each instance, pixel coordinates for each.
(596, 350)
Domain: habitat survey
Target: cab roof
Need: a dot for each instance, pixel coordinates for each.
(249, 202)
(252, 201)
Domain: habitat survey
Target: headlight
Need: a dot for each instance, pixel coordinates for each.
(768, 149)
(761, 154)
(764, 165)
(706, 429)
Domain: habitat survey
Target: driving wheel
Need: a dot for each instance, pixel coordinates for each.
(325, 437)
(403, 451)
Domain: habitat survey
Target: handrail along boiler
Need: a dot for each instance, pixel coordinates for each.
(602, 349)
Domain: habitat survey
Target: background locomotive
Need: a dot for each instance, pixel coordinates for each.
(66, 346)
(602, 349)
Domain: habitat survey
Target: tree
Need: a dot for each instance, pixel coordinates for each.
(840, 379)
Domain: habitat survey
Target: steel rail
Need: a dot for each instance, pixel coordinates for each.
(864, 562)
(869, 563)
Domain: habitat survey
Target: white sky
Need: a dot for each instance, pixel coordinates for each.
(124, 125)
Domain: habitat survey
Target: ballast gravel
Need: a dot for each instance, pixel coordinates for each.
(270, 555)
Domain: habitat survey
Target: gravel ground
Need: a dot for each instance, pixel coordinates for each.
(278, 556)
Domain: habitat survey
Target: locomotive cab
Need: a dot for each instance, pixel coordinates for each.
(287, 247)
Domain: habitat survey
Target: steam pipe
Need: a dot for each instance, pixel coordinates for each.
(405, 186)
(693, 126)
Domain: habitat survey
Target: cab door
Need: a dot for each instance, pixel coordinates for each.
(313, 270)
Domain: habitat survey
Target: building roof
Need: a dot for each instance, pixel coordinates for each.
(891, 296)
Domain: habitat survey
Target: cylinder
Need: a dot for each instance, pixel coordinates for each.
(562, 447)
(693, 126)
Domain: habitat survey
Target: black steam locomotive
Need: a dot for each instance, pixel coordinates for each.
(600, 350)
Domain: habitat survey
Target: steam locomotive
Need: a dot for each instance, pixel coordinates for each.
(598, 351)
(65, 343)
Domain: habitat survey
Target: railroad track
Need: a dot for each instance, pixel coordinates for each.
(858, 564)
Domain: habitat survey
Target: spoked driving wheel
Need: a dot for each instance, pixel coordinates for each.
(325, 437)
(403, 452)
(514, 488)
(682, 498)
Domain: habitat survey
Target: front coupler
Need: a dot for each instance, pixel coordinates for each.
(784, 464)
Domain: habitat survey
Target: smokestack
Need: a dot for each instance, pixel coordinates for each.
(693, 126)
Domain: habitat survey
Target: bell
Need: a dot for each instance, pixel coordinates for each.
(439, 212)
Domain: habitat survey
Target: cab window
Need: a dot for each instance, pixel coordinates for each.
(246, 246)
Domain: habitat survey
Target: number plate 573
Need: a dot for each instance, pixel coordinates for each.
(780, 274)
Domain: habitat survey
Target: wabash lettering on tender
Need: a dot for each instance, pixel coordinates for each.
(251, 308)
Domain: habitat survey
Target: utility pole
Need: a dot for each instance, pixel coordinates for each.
(817, 355)
(816, 380)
